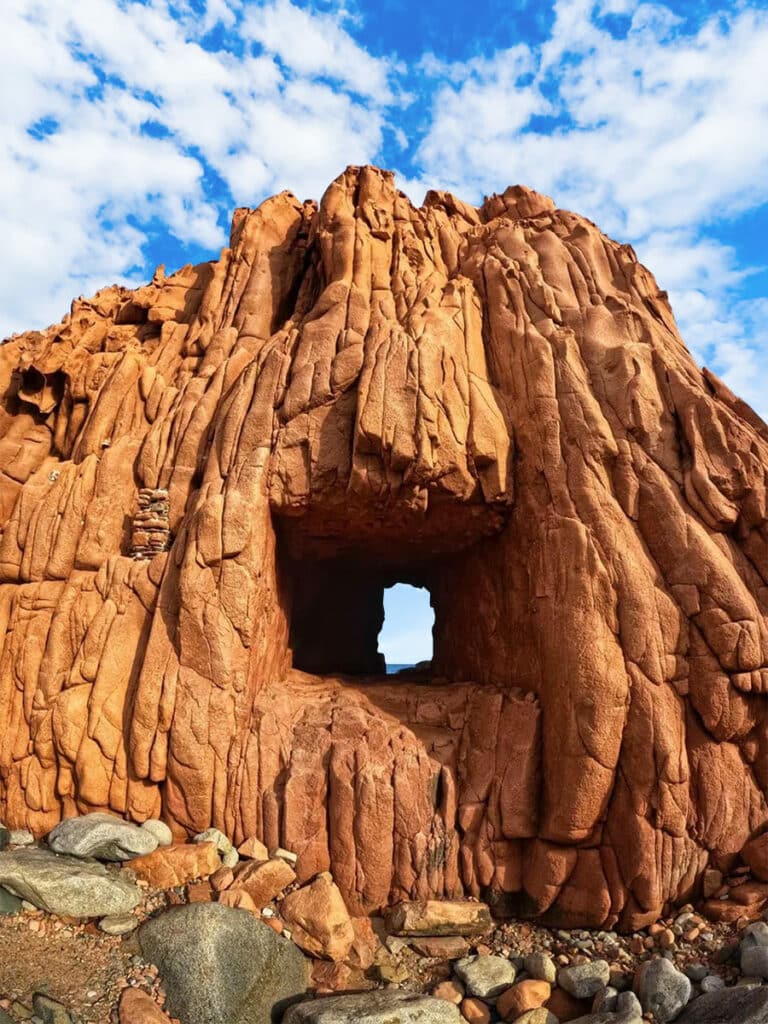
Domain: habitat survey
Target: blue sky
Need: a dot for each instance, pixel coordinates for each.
(129, 131)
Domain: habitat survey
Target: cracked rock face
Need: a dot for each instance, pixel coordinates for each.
(206, 483)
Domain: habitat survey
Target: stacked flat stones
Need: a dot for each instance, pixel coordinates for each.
(151, 532)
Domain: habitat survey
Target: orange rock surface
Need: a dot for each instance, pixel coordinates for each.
(205, 484)
(168, 866)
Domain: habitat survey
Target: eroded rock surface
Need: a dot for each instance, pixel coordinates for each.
(205, 484)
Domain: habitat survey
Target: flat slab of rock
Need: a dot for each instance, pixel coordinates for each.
(443, 947)
(438, 917)
(102, 836)
(375, 1008)
(745, 1005)
(222, 965)
(168, 866)
(68, 886)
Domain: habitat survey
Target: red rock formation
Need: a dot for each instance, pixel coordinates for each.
(494, 403)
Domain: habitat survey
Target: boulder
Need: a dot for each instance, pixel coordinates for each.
(728, 1006)
(159, 830)
(438, 917)
(319, 920)
(253, 849)
(627, 1011)
(485, 976)
(219, 965)
(541, 966)
(50, 1011)
(169, 866)
(101, 836)
(119, 924)
(9, 904)
(662, 989)
(583, 981)
(441, 947)
(229, 855)
(475, 1011)
(381, 1007)
(263, 882)
(138, 1007)
(68, 886)
(525, 995)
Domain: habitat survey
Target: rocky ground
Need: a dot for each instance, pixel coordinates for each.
(90, 921)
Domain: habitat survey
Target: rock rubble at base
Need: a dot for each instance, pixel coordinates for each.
(67, 886)
(464, 967)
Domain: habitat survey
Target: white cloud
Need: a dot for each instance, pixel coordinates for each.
(655, 136)
(78, 196)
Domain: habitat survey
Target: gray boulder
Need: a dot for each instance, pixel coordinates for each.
(67, 885)
(485, 976)
(627, 1010)
(9, 904)
(50, 1011)
(382, 1007)
(754, 961)
(584, 980)
(103, 836)
(728, 1006)
(221, 964)
(5, 837)
(541, 966)
(662, 989)
(229, 855)
(21, 837)
(159, 830)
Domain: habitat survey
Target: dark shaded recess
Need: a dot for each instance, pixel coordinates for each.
(337, 611)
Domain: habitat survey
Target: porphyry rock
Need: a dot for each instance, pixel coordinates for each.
(137, 1007)
(69, 886)
(101, 836)
(263, 882)
(375, 1008)
(318, 919)
(207, 482)
(220, 964)
(168, 866)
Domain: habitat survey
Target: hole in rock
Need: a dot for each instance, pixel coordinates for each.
(338, 624)
(405, 639)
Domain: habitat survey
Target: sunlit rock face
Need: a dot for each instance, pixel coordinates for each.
(208, 481)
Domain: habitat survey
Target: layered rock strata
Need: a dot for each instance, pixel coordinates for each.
(491, 402)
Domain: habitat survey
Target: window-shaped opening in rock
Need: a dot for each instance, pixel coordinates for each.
(337, 609)
(405, 639)
(337, 618)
